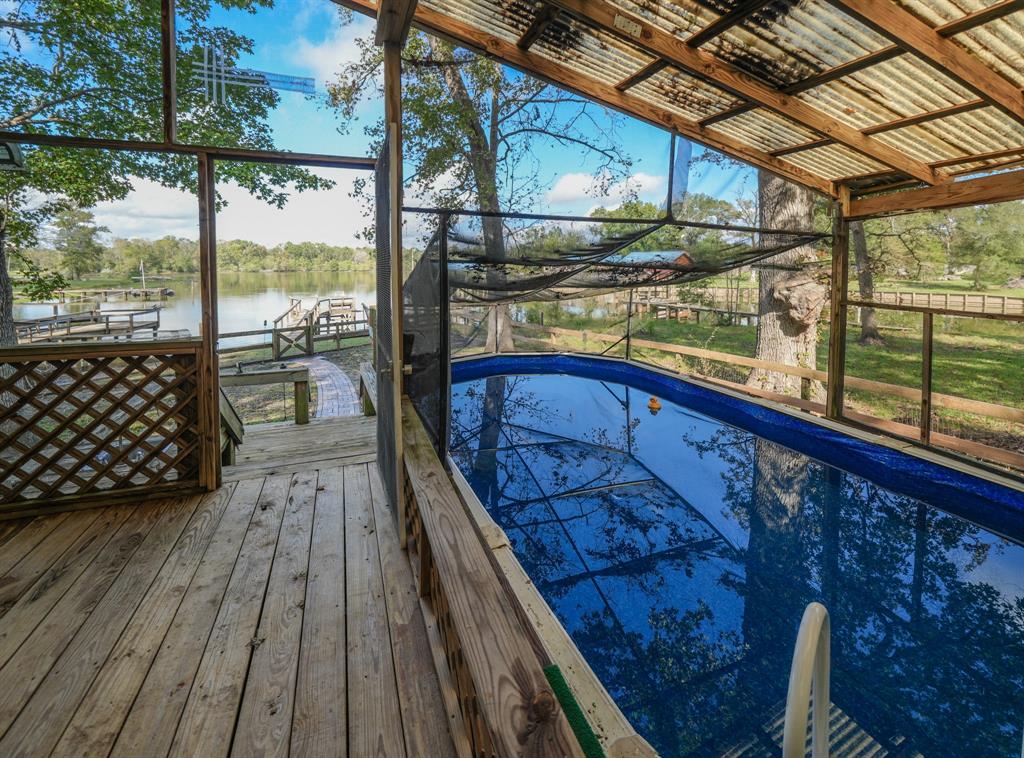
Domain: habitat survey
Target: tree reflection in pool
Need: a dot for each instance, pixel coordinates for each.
(680, 552)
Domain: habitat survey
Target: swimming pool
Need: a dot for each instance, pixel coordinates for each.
(678, 542)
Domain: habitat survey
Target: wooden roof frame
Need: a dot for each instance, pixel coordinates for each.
(914, 37)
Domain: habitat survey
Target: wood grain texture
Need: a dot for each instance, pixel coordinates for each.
(37, 601)
(42, 557)
(426, 724)
(319, 724)
(265, 717)
(26, 668)
(154, 716)
(217, 690)
(521, 711)
(29, 536)
(996, 188)
(98, 717)
(374, 712)
(53, 702)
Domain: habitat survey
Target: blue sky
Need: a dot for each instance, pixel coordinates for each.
(306, 38)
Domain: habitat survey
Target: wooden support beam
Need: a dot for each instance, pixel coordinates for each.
(982, 16)
(915, 36)
(992, 155)
(169, 76)
(652, 68)
(726, 21)
(394, 18)
(928, 322)
(837, 309)
(996, 188)
(464, 34)
(545, 16)
(208, 389)
(712, 69)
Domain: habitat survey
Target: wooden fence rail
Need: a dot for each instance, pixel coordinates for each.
(99, 420)
(297, 375)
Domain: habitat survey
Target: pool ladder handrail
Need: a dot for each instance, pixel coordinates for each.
(811, 663)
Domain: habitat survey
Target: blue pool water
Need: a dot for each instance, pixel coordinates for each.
(679, 551)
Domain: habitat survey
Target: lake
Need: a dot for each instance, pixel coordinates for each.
(245, 300)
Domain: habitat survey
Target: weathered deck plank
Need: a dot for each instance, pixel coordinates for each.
(248, 621)
(217, 689)
(373, 709)
(101, 712)
(153, 719)
(264, 723)
(319, 725)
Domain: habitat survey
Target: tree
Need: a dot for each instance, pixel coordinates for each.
(869, 333)
(789, 299)
(75, 236)
(92, 68)
(470, 128)
(989, 240)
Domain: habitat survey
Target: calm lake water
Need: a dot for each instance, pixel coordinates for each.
(245, 300)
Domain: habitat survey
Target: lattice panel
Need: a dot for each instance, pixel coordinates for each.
(85, 425)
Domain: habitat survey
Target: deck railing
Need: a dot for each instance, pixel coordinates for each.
(79, 422)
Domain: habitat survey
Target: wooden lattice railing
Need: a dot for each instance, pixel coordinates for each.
(81, 422)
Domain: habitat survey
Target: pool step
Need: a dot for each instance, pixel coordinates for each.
(846, 738)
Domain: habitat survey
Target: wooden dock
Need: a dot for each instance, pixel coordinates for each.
(119, 293)
(89, 325)
(275, 616)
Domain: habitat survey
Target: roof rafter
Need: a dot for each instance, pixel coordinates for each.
(658, 64)
(931, 45)
(960, 25)
(726, 21)
(463, 34)
(544, 18)
(726, 76)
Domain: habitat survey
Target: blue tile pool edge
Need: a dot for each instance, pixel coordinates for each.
(997, 508)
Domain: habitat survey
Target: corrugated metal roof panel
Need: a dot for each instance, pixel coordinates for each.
(835, 162)
(787, 41)
(688, 96)
(766, 130)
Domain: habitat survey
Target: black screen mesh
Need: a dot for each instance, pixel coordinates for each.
(425, 327)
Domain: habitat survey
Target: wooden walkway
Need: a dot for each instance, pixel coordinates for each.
(275, 616)
(335, 394)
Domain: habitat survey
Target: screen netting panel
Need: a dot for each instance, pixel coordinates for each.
(384, 360)
(425, 328)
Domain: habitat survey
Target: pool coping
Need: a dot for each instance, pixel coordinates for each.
(613, 729)
(978, 494)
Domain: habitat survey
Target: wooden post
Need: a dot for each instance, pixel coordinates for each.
(393, 118)
(209, 371)
(301, 402)
(926, 378)
(837, 310)
(168, 55)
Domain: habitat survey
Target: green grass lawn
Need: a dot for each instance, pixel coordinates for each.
(976, 366)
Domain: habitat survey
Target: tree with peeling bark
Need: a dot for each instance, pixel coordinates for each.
(92, 69)
(470, 129)
(790, 297)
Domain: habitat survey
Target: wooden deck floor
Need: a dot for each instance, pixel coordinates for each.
(275, 616)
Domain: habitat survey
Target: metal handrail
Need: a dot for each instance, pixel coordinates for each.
(811, 661)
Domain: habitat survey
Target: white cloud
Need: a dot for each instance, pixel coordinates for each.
(580, 187)
(152, 211)
(325, 58)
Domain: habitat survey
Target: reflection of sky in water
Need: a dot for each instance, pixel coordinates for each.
(679, 553)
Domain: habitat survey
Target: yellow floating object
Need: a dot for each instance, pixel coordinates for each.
(653, 405)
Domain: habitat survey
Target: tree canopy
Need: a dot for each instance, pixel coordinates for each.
(92, 69)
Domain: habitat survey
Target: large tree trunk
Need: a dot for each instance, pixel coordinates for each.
(790, 302)
(8, 336)
(483, 160)
(869, 334)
